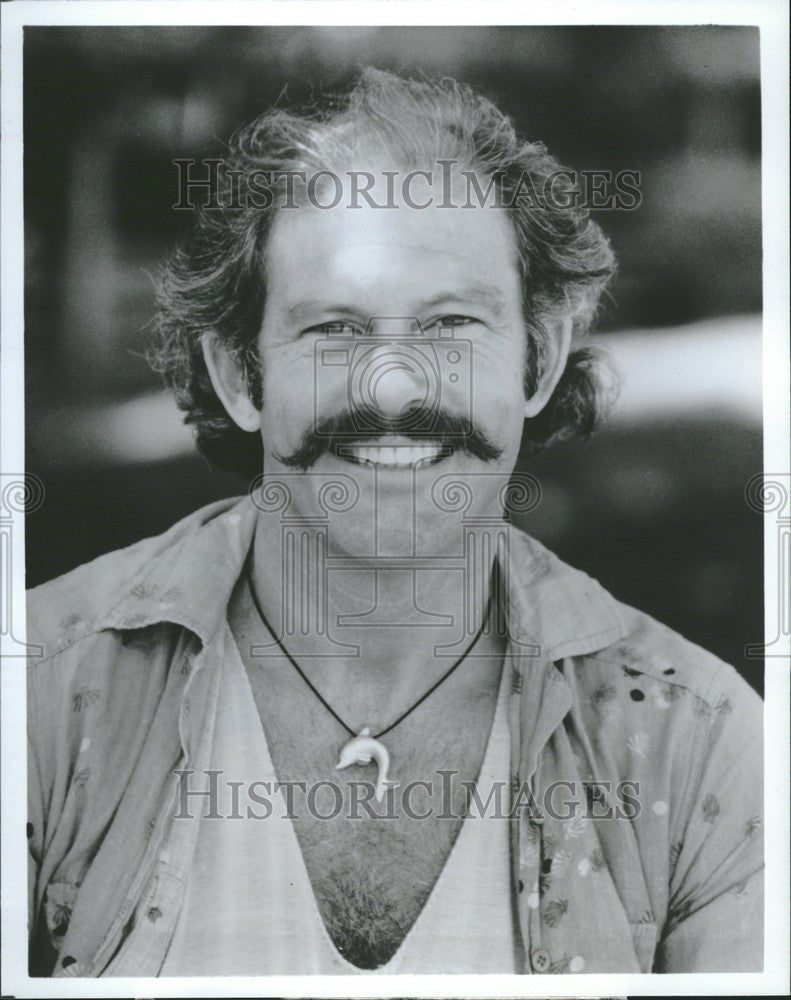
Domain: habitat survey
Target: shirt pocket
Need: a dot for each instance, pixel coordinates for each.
(59, 901)
(644, 938)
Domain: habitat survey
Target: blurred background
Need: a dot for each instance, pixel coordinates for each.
(653, 506)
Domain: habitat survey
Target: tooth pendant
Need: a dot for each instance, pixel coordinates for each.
(362, 749)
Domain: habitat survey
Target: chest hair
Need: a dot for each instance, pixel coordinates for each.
(371, 875)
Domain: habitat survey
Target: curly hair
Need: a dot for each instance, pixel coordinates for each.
(215, 281)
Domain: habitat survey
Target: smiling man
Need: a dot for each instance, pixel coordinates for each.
(356, 721)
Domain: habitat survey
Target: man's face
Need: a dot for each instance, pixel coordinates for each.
(393, 348)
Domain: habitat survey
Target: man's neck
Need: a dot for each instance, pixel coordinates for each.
(371, 618)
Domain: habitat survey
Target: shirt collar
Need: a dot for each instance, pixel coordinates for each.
(190, 572)
(561, 610)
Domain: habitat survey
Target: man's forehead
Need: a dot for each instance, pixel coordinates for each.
(443, 251)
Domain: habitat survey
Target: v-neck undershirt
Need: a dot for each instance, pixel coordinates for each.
(249, 907)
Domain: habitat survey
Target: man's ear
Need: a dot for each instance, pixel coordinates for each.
(555, 355)
(229, 383)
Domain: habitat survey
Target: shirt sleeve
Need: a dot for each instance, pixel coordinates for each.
(36, 809)
(715, 914)
(39, 818)
(35, 821)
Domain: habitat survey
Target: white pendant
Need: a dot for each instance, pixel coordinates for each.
(362, 749)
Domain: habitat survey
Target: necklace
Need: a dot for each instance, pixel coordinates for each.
(363, 748)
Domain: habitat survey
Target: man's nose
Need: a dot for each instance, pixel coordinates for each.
(396, 382)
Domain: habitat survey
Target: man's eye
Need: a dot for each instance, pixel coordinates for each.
(335, 328)
(454, 321)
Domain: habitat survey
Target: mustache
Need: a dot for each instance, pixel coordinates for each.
(363, 423)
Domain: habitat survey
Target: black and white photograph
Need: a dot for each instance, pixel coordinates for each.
(395, 500)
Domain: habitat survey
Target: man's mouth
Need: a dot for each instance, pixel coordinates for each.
(392, 453)
(388, 444)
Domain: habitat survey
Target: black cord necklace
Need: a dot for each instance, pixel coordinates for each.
(364, 747)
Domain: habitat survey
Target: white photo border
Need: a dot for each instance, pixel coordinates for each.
(772, 19)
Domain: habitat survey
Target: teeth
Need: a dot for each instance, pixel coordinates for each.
(394, 457)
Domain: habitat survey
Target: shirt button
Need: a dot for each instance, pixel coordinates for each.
(70, 966)
(540, 960)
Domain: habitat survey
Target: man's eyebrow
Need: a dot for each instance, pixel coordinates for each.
(478, 294)
(310, 308)
(475, 294)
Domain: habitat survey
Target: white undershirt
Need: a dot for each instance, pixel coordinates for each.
(249, 907)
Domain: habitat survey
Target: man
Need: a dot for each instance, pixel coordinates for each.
(484, 762)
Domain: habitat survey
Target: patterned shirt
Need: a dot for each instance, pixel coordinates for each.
(636, 764)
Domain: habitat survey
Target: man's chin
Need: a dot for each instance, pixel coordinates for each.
(391, 500)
